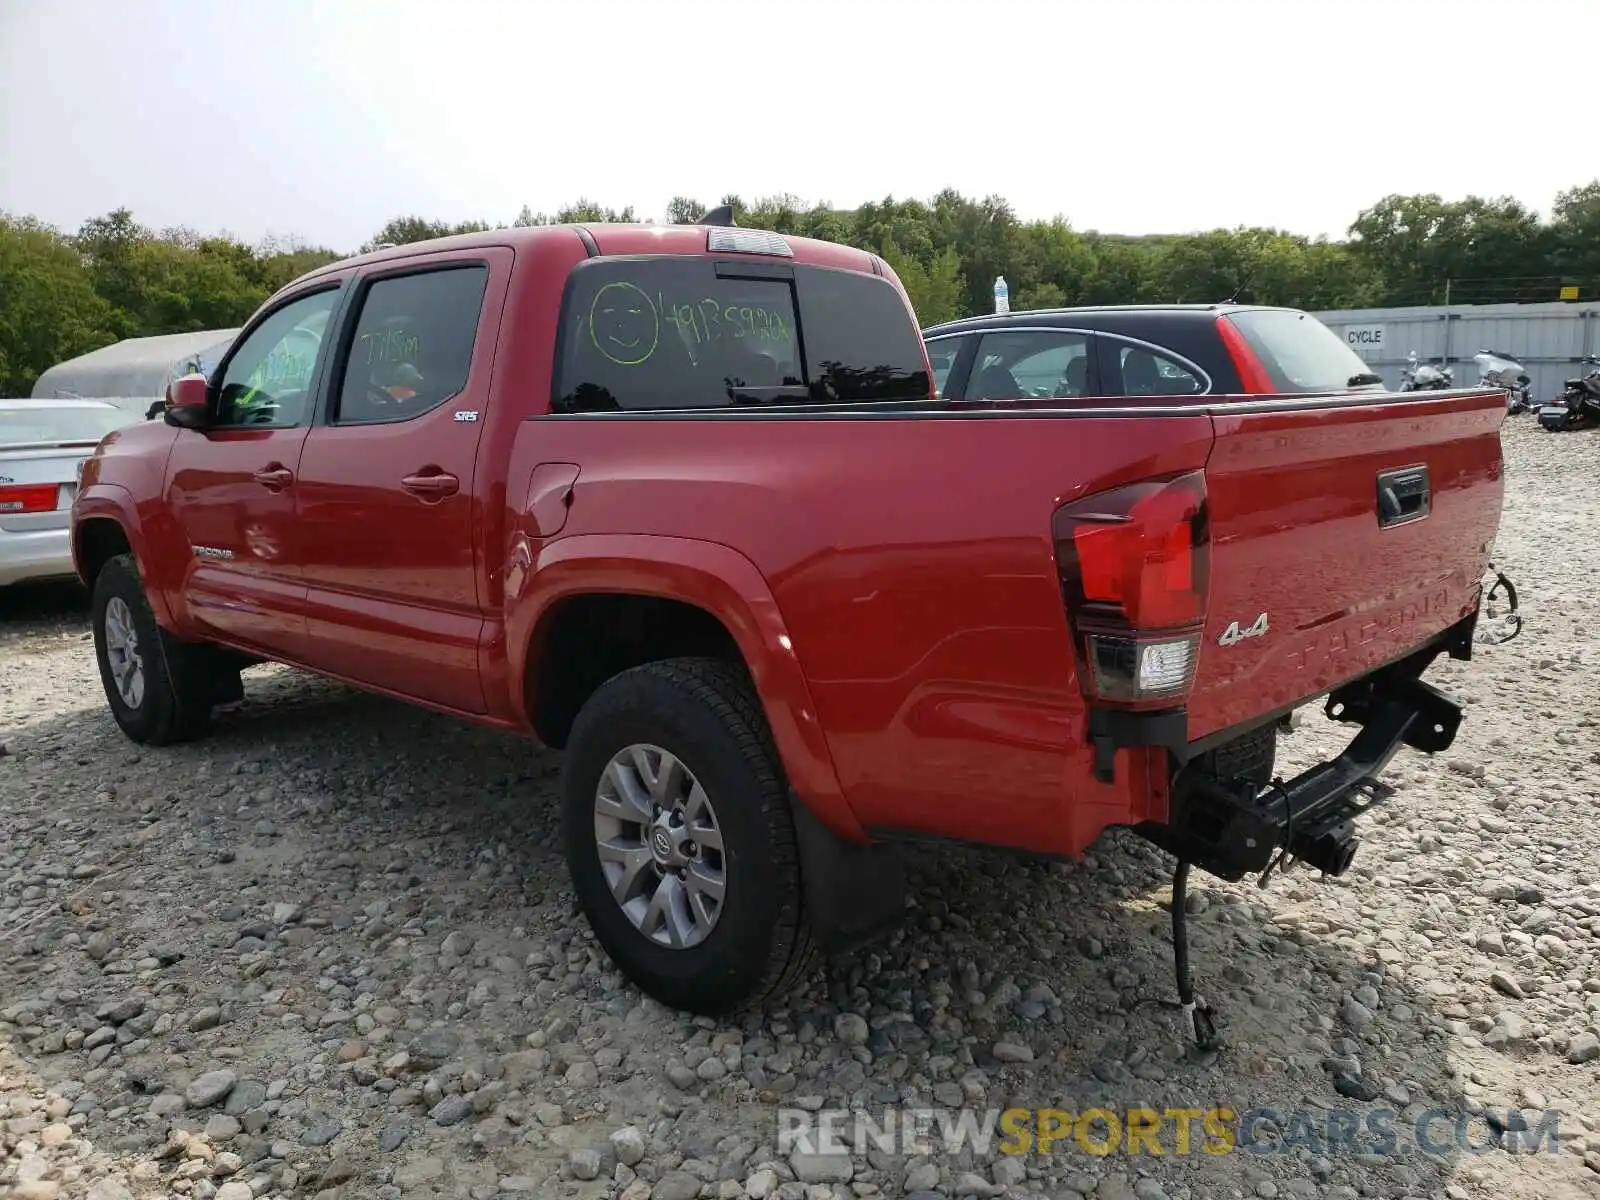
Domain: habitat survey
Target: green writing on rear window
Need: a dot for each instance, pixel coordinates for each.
(707, 320)
(625, 322)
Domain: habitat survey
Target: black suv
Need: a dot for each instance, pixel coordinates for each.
(1141, 350)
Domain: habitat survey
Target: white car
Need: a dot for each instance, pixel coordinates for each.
(43, 443)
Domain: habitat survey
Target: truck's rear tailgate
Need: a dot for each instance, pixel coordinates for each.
(1294, 492)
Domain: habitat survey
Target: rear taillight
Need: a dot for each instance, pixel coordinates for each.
(29, 497)
(1253, 375)
(1135, 568)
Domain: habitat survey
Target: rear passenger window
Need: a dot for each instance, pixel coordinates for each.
(673, 333)
(1030, 364)
(413, 344)
(1150, 373)
(942, 355)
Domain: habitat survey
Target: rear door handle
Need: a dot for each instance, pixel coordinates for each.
(431, 487)
(274, 476)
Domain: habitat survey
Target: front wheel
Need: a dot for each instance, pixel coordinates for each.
(150, 702)
(680, 840)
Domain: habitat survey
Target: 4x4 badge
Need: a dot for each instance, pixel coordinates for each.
(1233, 634)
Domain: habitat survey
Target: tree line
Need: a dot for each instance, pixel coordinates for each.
(63, 294)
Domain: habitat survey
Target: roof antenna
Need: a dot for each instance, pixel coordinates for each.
(722, 215)
(1244, 282)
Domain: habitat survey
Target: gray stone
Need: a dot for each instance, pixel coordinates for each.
(452, 1110)
(321, 1131)
(210, 1088)
(115, 1012)
(167, 1104)
(585, 1163)
(206, 1018)
(1356, 1014)
(246, 1095)
(676, 1185)
(1012, 1052)
(922, 1178)
(970, 1183)
(1009, 1171)
(1115, 1187)
(822, 1168)
(1585, 1047)
(628, 1145)
(415, 1174)
(851, 1029)
(1504, 983)
(390, 1138)
(433, 1049)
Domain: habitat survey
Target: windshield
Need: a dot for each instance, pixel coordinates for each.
(33, 424)
(1299, 352)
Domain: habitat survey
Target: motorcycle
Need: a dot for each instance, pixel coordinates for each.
(1499, 370)
(1425, 377)
(1579, 404)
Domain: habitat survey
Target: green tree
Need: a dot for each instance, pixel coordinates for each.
(1575, 237)
(681, 210)
(936, 290)
(49, 310)
(403, 231)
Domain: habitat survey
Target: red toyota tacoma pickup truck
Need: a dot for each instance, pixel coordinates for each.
(682, 502)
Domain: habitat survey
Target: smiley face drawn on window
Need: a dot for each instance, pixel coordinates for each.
(623, 324)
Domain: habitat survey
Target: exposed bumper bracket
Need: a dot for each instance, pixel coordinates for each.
(1233, 833)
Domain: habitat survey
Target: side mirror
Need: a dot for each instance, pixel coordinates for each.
(188, 402)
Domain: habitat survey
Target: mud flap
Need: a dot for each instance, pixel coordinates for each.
(853, 891)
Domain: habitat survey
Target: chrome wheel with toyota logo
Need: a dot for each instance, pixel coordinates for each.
(680, 839)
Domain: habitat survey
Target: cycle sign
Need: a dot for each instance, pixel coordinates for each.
(1364, 339)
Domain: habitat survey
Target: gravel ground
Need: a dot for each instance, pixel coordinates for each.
(331, 951)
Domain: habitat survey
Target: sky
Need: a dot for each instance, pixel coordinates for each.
(320, 121)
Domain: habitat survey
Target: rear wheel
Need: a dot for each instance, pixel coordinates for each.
(680, 840)
(157, 692)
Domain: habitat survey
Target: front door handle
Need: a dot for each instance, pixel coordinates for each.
(434, 486)
(274, 476)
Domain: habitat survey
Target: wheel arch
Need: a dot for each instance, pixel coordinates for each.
(704, 594)
(105, 524)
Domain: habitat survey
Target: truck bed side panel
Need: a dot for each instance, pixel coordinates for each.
(913, 565)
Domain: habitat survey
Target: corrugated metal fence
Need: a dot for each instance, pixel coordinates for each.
(1550, 340)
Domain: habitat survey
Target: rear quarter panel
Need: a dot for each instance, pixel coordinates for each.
(912, 563)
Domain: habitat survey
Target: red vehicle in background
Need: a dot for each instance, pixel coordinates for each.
(683, 502)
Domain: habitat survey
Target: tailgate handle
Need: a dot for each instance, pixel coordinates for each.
(1403, 495)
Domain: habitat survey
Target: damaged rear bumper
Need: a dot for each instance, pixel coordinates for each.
(1233, 828)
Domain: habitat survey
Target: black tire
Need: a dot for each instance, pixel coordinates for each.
(177, 696)
(704, 712)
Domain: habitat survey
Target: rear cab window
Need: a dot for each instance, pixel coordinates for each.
(706, 332)
(1299, 352)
